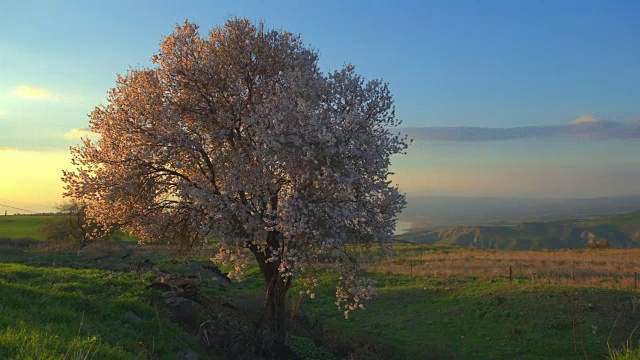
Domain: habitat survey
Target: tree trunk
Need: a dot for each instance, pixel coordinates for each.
(275, 310)
(275, 305)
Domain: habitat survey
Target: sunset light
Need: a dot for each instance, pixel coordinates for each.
(280, 180)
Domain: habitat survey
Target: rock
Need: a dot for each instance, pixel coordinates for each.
(132, 317)
(185, 313)
(212, 272)
(175, 283)
(189, 355)
(219, 273)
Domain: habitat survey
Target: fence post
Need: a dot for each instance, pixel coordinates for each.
(510, 274)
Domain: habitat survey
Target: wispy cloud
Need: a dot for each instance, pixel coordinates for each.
(33, 93)
(585, 127)
(587, 119)
(2, 113)
(80, 133)
(6, 148)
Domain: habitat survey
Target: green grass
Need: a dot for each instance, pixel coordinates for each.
(625, 352)
(54, 313)
(22, 226)
(470, 319)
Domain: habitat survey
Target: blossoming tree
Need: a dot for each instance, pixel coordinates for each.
(239, 136)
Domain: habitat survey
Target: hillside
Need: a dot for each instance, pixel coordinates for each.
(622, 231)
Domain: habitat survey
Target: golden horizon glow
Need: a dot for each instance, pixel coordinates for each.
(33, 179)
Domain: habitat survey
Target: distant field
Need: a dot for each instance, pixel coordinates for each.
(20, 226)
(455, 303)
(615, 269)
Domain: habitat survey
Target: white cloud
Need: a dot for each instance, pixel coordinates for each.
(2, 113)
(78, 133)
(29, 92)
(33, 93)
(5, 148)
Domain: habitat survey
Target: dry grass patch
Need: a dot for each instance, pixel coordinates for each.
(608, 268)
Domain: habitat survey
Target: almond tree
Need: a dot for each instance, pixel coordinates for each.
(239, 136)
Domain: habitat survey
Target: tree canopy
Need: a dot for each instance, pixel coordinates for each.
(240, 137)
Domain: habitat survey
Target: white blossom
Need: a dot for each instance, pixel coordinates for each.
(239, 136)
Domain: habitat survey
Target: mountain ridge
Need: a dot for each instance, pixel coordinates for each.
(622, 231)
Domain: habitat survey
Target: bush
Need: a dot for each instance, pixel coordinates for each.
(599, 244)
(19, 242)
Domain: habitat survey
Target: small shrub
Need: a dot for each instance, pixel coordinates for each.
(599, 244)
(23, 242)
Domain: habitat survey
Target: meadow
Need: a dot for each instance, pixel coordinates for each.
(616, 269)
(22, 226)
(433, 302)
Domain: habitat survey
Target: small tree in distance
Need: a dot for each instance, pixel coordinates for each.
(72, 226)
(239, 136)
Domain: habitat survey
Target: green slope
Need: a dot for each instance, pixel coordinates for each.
(22, 226)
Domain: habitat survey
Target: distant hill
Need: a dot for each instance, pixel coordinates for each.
(430, 212)
(622, 231)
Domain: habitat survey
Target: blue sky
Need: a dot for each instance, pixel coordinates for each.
(471, 70)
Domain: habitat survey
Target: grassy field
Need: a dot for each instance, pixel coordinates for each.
(61, 312)
(453, 315)
(616, 269)
(432, 303)
(22, 226)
